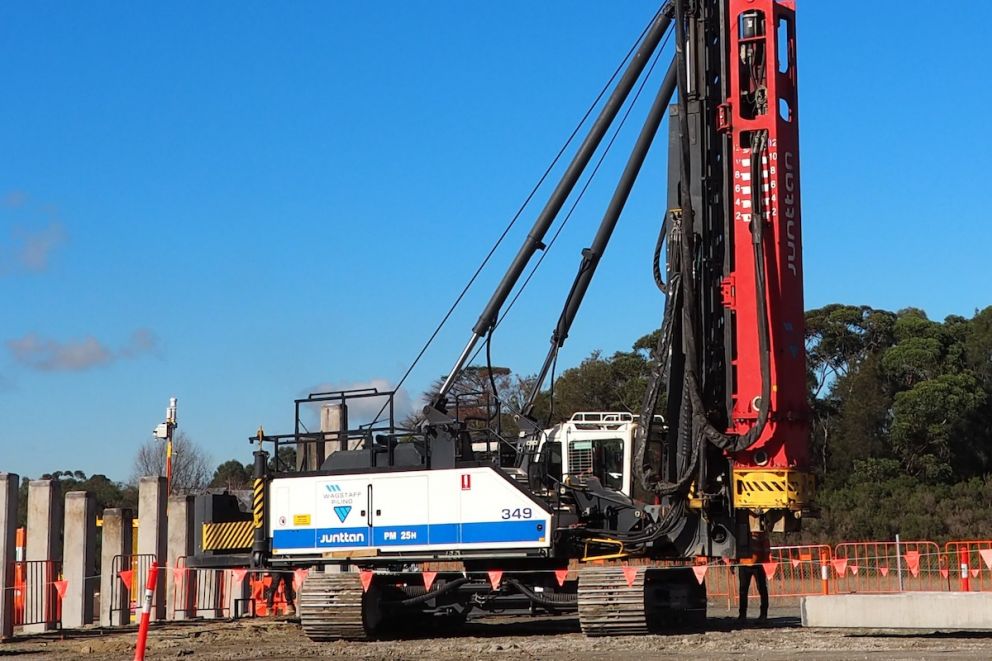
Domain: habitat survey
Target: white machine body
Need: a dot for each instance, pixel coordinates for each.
(457, 509)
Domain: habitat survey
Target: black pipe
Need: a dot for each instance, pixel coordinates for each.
(552, 600)
(427, 596)
(593, 254)
(535, 237)
(260, 543)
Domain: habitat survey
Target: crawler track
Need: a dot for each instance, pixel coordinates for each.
(331, 607)
(610, 607)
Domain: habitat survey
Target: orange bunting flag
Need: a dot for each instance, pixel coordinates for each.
(974, 572)
(561, 575)
(630, 574)
(299, 575)
(429, 577)
(913, 562)
(795, 562)
(366, 579)
(728, 561)
(238, 575)
(495, 576)
(700, 572)
(770, 568)
(840, 566)
(126, 576)
(854, 569)
(884, 571)
(986, 556)
(945, 572)
(60, 587)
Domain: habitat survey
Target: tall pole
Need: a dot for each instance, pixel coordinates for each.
(168, 463)
(580, 160)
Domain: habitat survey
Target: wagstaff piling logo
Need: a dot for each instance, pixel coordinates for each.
(342, 501)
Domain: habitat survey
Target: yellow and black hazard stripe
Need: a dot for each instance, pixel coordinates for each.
(230, 536)
(258, 503)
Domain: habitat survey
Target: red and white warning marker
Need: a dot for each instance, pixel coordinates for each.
(146, 609)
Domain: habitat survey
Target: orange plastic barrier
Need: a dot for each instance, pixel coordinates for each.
(799, 571)
(36, 599)
(878, 567)
(970, 565)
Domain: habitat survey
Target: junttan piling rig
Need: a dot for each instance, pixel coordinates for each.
(452, 518)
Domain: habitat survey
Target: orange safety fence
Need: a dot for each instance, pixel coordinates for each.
(970, 565)
(37, 597)
(879, 567)
(799, 571)
(205, 591)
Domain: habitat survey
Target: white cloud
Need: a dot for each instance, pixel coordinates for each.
(364, 410)
(48, 355)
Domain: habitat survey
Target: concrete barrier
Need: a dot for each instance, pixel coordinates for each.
(44, 543)
(971, 611)
(9, 484)
(79, 559)
(153, 534)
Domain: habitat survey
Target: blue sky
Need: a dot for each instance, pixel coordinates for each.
(236, 203)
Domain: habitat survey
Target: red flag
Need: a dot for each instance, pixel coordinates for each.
(795, 562)
(561, 575)
(429, 577)
(728, 561)
(366, 579)
(770, 568)
(630, 574)
(884, 571)
(945, 572)
(840, 566)
(974, 572)
(299, 575)
(239, 575)
(60, 587)
(495, 576)
(913, 562)
(700, 572)
(854, 569)
(126, 575)
(986, 556)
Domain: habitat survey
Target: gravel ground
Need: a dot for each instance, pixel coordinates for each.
(557, 638)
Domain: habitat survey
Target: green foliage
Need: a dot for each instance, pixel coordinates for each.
(232, 475)
(107, 492)
(902, 423)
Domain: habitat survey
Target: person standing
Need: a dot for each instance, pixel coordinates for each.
(751, 566)
(286, 578)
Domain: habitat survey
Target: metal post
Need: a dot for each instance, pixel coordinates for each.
(580, 160)
(899, 562)
(963, 559)
(259, 545)
(591, 256)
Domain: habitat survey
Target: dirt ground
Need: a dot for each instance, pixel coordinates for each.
(558, 638)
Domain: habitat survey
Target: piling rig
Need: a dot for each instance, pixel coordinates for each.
(602, 514)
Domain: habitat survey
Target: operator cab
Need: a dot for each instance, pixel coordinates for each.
(591, 444)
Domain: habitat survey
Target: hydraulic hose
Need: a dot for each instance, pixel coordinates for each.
(427, 596)
(553, 600)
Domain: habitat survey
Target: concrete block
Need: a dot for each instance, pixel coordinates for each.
(9, 483)
(180, 594)
(79, 559)
(971, 611)
(153, 533)
(117, 538)
(43, 543)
